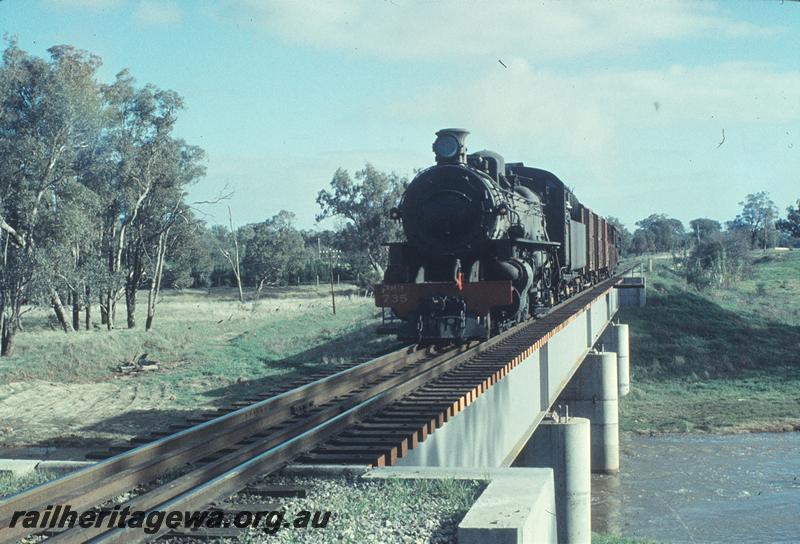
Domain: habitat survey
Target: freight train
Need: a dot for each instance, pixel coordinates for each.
(488, 244)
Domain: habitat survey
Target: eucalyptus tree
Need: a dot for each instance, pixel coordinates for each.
(704, 228)
(791, 225)
(274, 252)
(49, 111)
(657, 232)
(136, 145)
(757, 219)
(163, 213)
(364, 205)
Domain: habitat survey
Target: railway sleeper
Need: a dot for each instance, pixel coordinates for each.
(387, 454)
(411, 438)
(421, 433)
(341, 459)
(369, 443)
(424, 426)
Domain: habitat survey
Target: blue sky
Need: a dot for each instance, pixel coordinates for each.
(625, 101)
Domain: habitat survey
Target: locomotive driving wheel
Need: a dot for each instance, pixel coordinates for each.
(547, 277)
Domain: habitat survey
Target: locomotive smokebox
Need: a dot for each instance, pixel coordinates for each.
(449, 146)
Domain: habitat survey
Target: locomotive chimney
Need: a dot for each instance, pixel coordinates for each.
(449, 146)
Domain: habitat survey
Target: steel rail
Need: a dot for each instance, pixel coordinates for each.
(356, 391)
(278, 448)
(143, 463)
(231, 473)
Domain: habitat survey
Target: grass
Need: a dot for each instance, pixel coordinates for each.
(209, 348)
(10, 484)
(720, 360)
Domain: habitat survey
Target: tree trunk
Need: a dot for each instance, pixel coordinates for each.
(151, 310)
(260, 287)
(155, 282)
(76, 311)
(10, 304)
(58, 308)
(6, 337)
(130, 304)
(132, 281)
(103, 311)
(375, 264)
(235, 260)
(109, 310)
(88, 308)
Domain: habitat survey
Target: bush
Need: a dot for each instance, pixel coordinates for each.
(718, 262)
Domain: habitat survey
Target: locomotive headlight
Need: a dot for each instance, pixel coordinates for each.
(446, 146)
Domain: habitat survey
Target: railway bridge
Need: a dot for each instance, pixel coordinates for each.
(533, 410)
(543, 428)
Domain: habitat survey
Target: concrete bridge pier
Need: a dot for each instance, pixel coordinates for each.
(564, 446)
(593, 393)
(616, 339)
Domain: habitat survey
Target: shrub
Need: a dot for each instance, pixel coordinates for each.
(718, 262)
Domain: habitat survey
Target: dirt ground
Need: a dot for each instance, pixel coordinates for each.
(46, 414)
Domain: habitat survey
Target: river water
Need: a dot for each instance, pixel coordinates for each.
(703, 488)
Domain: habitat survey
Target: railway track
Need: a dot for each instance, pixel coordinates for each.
(370, 414)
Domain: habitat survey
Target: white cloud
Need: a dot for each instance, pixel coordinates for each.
(583, 114)
(157, 13)
(445, 30)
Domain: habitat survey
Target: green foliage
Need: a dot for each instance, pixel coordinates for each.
(721, 332)
(658, 232)
(791, 225)
(704, 229)
(757, 220)
(718, 260)
(274, 251)
(364, 206)
(50, 112)
(91, 184)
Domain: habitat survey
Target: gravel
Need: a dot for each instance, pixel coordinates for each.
(373, 511)
(361, 511)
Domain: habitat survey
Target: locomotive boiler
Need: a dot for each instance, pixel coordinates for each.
(487, 245)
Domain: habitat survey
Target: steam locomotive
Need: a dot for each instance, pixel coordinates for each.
(488, 245)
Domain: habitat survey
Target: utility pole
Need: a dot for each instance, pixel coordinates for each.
(333, 259)
(319, 259)
(333, 293)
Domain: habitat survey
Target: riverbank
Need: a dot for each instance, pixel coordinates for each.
(717, 361)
